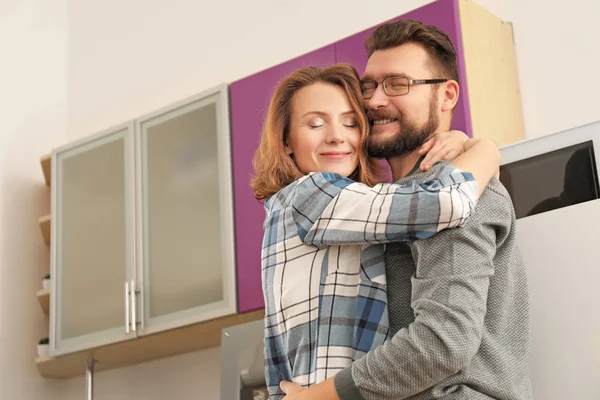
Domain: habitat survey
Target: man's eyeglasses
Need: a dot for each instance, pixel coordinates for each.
(394, 86)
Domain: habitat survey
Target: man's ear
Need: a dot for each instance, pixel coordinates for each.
(451, 93)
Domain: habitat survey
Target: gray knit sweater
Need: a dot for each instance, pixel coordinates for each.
(459, 315)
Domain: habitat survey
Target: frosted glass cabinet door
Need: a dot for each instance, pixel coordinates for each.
(92, 240)
(185, 213)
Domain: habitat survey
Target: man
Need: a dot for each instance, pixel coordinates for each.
(458, 302)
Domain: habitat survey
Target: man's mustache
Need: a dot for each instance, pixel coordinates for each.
(375, 115)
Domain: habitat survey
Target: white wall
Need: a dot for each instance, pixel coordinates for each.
(558, 63)
(126, 58)
(193, 376)
(149, 53)
(33, 118)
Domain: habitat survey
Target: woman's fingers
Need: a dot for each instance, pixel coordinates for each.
(435, 155)
(426, 147)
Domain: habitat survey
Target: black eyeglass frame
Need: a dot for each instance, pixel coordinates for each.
(410, 83)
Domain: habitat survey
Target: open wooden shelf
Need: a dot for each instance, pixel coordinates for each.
(46, 162)
(44, 223)
(146, 348)
(44, 299)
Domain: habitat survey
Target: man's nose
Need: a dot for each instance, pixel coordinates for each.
(379, 98)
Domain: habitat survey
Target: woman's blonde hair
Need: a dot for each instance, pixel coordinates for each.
(274, 169)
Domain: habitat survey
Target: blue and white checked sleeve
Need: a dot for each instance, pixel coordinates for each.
(330, 209)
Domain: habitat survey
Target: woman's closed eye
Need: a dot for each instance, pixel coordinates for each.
(349, 122)
(316, 123)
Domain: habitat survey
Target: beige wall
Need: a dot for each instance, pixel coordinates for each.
(33, 111)
(152, 52)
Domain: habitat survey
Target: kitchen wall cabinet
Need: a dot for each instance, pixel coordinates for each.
(142, 238)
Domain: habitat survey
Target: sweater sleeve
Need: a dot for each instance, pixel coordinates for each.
(449, 299)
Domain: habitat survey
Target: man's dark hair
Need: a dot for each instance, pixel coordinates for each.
(436, 42)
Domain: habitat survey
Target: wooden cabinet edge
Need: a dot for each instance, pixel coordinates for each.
(173, 342)
(44, 223)
(46, 163)
(43, 297)
(492, 76)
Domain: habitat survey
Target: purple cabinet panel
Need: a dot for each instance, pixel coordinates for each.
(249, 98)
(441, 13)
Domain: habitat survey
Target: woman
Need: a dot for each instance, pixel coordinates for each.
(326, 303)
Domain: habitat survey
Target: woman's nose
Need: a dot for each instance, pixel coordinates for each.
(335, 134)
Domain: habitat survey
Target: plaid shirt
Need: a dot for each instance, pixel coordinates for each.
(326, 305)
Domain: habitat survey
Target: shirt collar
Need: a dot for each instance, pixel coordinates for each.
(416, 167)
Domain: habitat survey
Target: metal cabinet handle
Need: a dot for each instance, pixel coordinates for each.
(127, 307)
(133, 307)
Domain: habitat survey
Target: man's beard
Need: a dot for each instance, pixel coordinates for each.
(408, 139)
